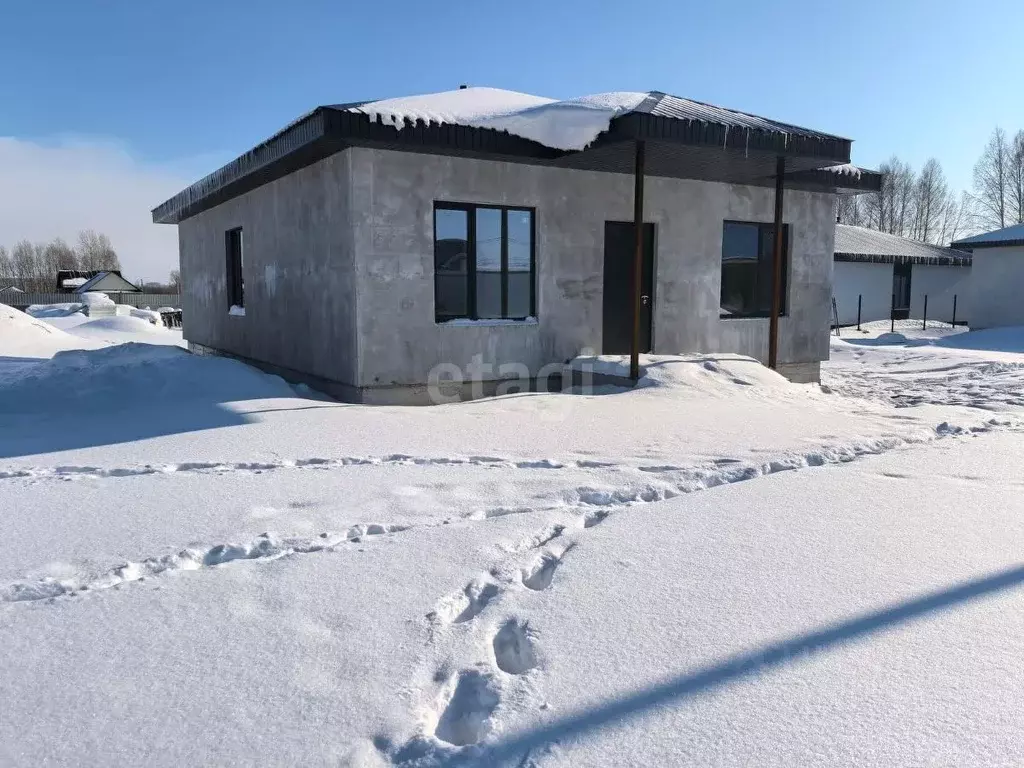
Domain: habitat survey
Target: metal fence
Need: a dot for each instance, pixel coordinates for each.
(947, 314)
(151, 300)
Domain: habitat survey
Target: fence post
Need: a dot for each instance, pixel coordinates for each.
(924, 322)
(954, 310)
(859, 297)
(892, 315)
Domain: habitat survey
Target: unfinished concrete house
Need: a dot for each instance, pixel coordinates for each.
(368, 246)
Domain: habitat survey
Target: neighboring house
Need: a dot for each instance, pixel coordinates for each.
(997, 277)
(891, 274)
(11, 289)
(367, 247)
(106, 281)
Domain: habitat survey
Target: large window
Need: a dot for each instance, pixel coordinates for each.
(235, 281)
(483, 262)
(747, 261)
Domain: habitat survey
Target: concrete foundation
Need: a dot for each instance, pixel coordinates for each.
(338, 267)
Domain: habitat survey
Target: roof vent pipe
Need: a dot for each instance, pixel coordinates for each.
(463, 87)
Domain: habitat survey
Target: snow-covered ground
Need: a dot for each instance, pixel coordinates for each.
(940, 365)
(205, 565)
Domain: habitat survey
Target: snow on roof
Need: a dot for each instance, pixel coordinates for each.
(863, 242)
(94, 281)
(571, 124)
(11, 289)
(846, 169)
(73, 282)
(1013, 234)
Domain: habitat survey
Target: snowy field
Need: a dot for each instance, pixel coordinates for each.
(204, 565)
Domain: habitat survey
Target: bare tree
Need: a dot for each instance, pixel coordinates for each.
(23, 261)
(958, 217)
(56, 255)
(877, 207)
(175, 280)
(1015, 185)
(892, 208)
(6, 268)
(930, 193)
(95, 252)
(992, 180)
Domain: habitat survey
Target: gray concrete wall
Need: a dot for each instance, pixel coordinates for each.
(997, 285)
(392, 214)
(298, 270)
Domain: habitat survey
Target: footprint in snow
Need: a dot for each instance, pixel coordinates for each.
(513, 648)
(466, 716)
(467, 604)
(538, 575)
(596, 517)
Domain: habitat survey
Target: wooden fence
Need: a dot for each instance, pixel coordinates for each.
(151, 300)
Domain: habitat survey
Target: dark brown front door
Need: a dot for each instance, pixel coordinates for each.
(619, 247)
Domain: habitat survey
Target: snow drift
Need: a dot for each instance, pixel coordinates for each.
(120, 324)
(55, 310)
(112, 378)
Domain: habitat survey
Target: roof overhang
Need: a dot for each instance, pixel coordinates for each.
(888, 258)
(969, 246)
(677, 148)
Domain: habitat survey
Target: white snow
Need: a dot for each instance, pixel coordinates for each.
(465, 321)
(571, 124)
(236, 311)
(146, 314)
(96, 299)
(846, 169)
(73, 282)
(55, 310)
(716, 568)
(1007, 234)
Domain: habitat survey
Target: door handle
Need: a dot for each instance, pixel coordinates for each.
(645, 300)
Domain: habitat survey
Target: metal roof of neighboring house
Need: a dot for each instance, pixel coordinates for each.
(1007, 236)
(92, 283)
(683, 136)
(869, 245)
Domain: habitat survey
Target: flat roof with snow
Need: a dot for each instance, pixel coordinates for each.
(686, 139)
(1001, 238)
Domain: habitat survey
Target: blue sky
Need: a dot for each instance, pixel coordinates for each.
(171, 90)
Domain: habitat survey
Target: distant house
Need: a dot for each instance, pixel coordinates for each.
(997, 277)
(368, 246)
(889, 273)
(106, 281)
(11, 289)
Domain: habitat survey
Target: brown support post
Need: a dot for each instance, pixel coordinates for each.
(773, 323)
(638, 257)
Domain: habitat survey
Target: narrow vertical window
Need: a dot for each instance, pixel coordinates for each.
(451, 263)
(520, 263)
(488, 263)
(235, 279)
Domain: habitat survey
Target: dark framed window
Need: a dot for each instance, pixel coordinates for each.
(235, 280)
(484, 262)
(747, 261)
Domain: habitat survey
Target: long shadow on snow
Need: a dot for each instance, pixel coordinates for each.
(123, 393)
(740, 666)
